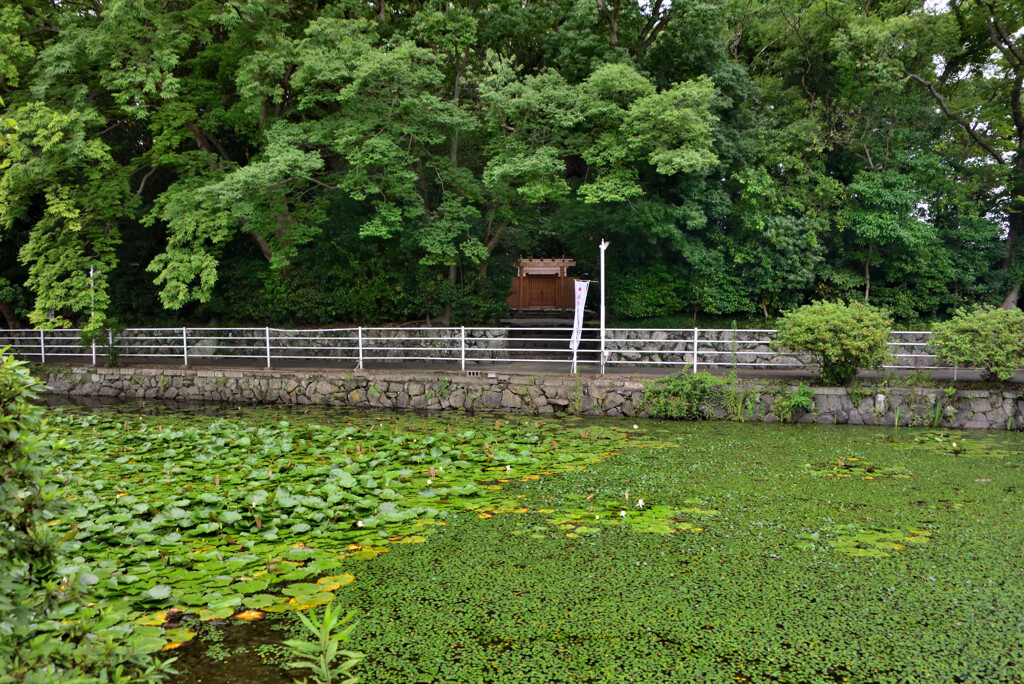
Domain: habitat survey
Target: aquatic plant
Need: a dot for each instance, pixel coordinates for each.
(319, 655)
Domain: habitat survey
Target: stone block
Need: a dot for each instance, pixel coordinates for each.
(613, 400)
(978, 421)
(510, 400)
(979, 404)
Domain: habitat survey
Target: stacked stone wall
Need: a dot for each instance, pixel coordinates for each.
(745, 348)
(535, 395)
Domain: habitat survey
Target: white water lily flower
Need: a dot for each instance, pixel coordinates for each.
(622, 514)
(639, 503)
(636, 427)
(428, 480)
(954, 445)
(597, 517)
(508, 467)
(359, 523)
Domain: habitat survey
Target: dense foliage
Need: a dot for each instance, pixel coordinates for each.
(841, 338)
(317, 162)
(47, 632)
(988, 338)
(682, 395)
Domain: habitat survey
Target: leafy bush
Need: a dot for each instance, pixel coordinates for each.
(681, 395)
(646, 294)
(986, 337)
(841, 338)
(787, 402)
(45, 630)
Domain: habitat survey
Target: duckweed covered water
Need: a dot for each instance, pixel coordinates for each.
(514, 550)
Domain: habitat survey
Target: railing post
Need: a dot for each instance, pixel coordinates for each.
(266, 332)
(360, 365)
(184, 344)
(694, 350)
(462, 347)
(42, 346)
(94, 351)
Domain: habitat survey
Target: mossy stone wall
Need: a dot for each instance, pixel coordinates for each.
(535, 395)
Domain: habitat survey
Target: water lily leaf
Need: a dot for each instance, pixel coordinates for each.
(335, 582)
(306, 601)
(252, 587)
(279, 607)
(299, 553)
(88, 579)
(180, 635)
(152, 619)
(259, 601)
(225, 602)
(159, 592)
(207, 614)
(300, 588)
(148, 644)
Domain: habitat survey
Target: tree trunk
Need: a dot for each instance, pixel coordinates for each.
(1012, 241)
(1012, 298)
(8, 313)
(867, 275)
(612, 13)
(261, 242)
(453, 280)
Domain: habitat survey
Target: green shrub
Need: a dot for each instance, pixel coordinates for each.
(680, 395)
(986, 337)
(45, 629)
(841, 338)
(646, 294)
(787, 402)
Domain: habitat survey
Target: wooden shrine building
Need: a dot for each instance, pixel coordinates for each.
(542, 285)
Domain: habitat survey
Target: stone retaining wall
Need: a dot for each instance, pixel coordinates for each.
(746, 348)
(529, 394)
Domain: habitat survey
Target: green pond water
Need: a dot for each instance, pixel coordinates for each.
(487, 549)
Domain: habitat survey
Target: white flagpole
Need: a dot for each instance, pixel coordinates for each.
(604, 246)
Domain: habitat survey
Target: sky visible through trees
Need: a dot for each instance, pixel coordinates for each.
(300, 162)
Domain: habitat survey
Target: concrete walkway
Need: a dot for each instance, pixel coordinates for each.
(534, 367)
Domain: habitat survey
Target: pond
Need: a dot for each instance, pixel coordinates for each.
(494, 549)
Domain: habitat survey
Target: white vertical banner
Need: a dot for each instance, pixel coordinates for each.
(580, 288)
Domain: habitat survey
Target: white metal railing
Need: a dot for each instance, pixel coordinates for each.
(691, 348)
